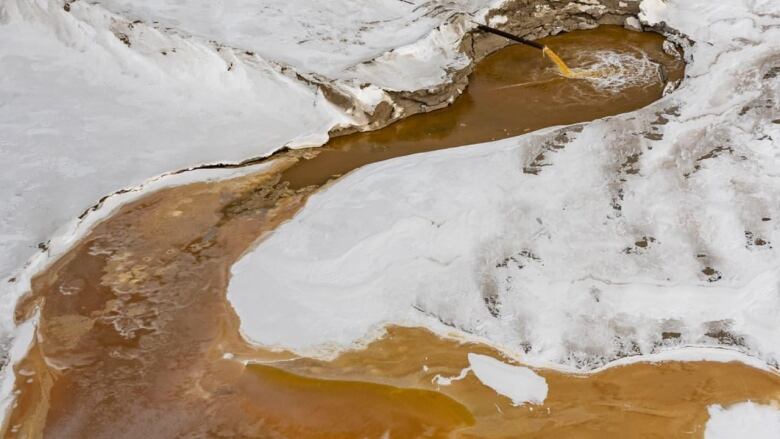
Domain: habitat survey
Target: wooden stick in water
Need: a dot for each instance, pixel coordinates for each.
(562, 67)
(501, 33)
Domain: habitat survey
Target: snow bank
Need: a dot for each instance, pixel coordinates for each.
(744, 420)
(333, 38)
(638, 233)
(520, 384)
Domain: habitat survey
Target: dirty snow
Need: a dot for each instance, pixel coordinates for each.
(743, 420)
(645, 232)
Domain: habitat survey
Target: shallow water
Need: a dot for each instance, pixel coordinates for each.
(136, 338)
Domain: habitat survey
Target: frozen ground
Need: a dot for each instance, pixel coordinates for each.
(636, 234)
(97, 97)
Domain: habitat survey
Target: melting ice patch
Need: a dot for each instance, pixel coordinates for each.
(518, 383)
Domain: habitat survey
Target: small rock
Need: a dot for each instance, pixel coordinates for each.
(632, 23)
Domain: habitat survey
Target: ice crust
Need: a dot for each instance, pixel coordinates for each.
(642, 233)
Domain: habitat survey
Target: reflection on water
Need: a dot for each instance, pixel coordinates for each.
(136, 338)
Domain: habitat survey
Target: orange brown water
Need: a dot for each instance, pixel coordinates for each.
(134, 324)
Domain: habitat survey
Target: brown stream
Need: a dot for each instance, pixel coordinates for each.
(134, 323)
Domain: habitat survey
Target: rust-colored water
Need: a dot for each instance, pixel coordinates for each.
(134, 325)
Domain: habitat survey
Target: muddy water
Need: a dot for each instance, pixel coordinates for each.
(512, 92)
(136, 338)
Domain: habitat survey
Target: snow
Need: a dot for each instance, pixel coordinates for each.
(685, 353)
(579, 266)
(333, 38)
(743, 420)
(441, 380)
(420, 240)
(102, 97)
(424, 64)
(25, 334)
(319, 37)
(520, 384)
